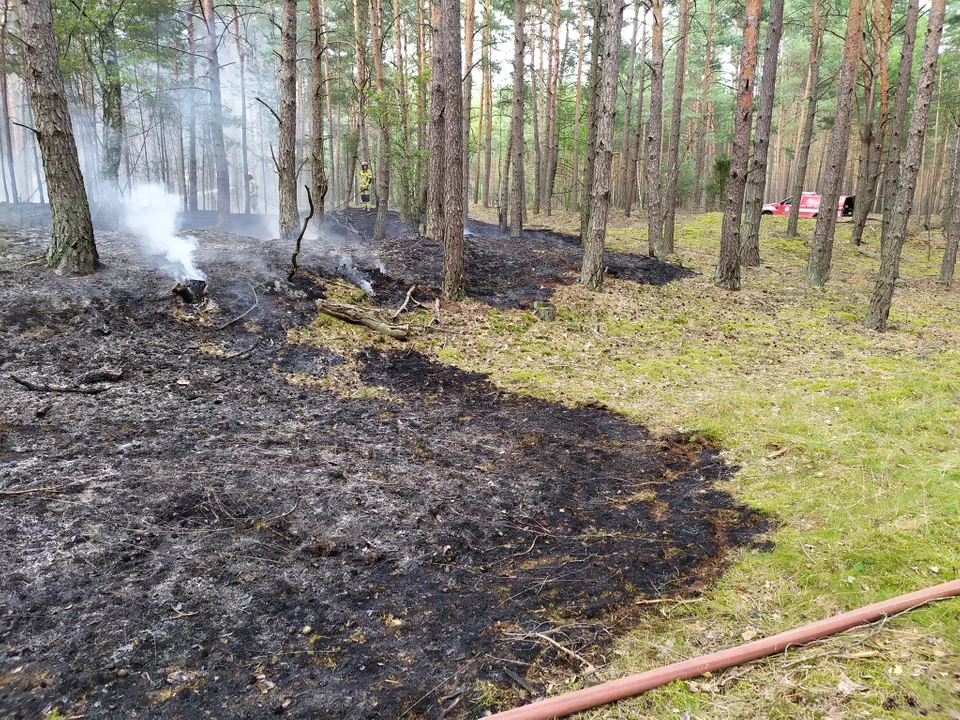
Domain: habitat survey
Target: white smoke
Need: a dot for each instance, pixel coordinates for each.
(151, 214)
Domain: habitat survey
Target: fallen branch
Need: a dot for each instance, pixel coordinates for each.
(50, 489)
(406, 302)
(588, 668)
(44, 387)
(293, 259)
(256, 304)
(353, 314)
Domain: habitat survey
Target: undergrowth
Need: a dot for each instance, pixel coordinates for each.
(848, 437)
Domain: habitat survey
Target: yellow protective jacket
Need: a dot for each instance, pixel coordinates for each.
(366, 180)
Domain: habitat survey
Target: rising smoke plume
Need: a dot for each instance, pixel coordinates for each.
(152, 215)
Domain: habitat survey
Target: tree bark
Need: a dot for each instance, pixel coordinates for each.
(591, 271)
(383, 117)
(108, 199)
(192, 204)
(72, 248)
(821, 250)
(951, 225)
(623, 187)
(673, 162)
(879, 310)
(553, 79)
(537, 145)
(438, 117)
(655, 237)
(451, 227)
(243, 111)
(318, 176)
(700, 158)
(575, 185)
(638, 148)
(728, 267)
(5, 106)
(287, 152)
(407, 201)
(488, 82)
(468, 24)
(593, 91)
(216, 118)
(891, 173)
(867, 192)
(517, 195)
(756, 180)
(813, 94)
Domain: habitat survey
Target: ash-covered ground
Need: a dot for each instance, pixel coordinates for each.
(200, 538)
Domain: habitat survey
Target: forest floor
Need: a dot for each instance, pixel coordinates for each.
(295, 515)
(242, 509)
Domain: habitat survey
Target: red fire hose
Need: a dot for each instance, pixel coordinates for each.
(607, 692)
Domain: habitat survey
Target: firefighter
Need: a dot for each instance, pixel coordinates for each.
(254, 190)
(366, 180)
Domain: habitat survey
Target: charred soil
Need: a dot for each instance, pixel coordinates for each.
(201, 536)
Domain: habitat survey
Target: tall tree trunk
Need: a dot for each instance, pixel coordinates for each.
(107, 203)
(215, 112)
(951, 225)
(318, 176)
(488, 83)
(383, 115)
(517, 195)
(449, 216)
(658, 247)
(756, 180)
(638, 148)
(866, 194)
(623, 187)
(575, 186)
(821, 250)
(879, 309)
(591, 271)
(5, 105)
(468, 24)
(537, 146)
(593, 90)
(673, 169)
(891, 173)
(244, 159)
(363, 79)
(813, 94)
(700, 157)
(553, 79)
(728, 267)
(72, 249)
(331, 177)
(407, 201)
(287, 152)
(504, 200)
(932, 190)
(192, 204)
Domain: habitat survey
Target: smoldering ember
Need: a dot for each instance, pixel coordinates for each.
(444, 361)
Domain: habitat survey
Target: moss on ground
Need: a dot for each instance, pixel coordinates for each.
(848, 437)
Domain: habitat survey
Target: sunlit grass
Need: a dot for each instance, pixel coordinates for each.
(849, 438)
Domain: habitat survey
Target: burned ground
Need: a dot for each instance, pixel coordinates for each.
(216, 539)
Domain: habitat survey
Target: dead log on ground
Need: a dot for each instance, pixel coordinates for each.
(44, 387)
(358, 316)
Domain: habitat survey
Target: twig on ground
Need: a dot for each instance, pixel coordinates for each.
(255, 305)
(406, 302)
(660, 601)
(452, 706)
(48, 489)
(241, 353)
(181, 614)
(588, 667)
(519, 680)
(44, 387)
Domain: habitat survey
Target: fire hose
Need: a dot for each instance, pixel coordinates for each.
(578, 700)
